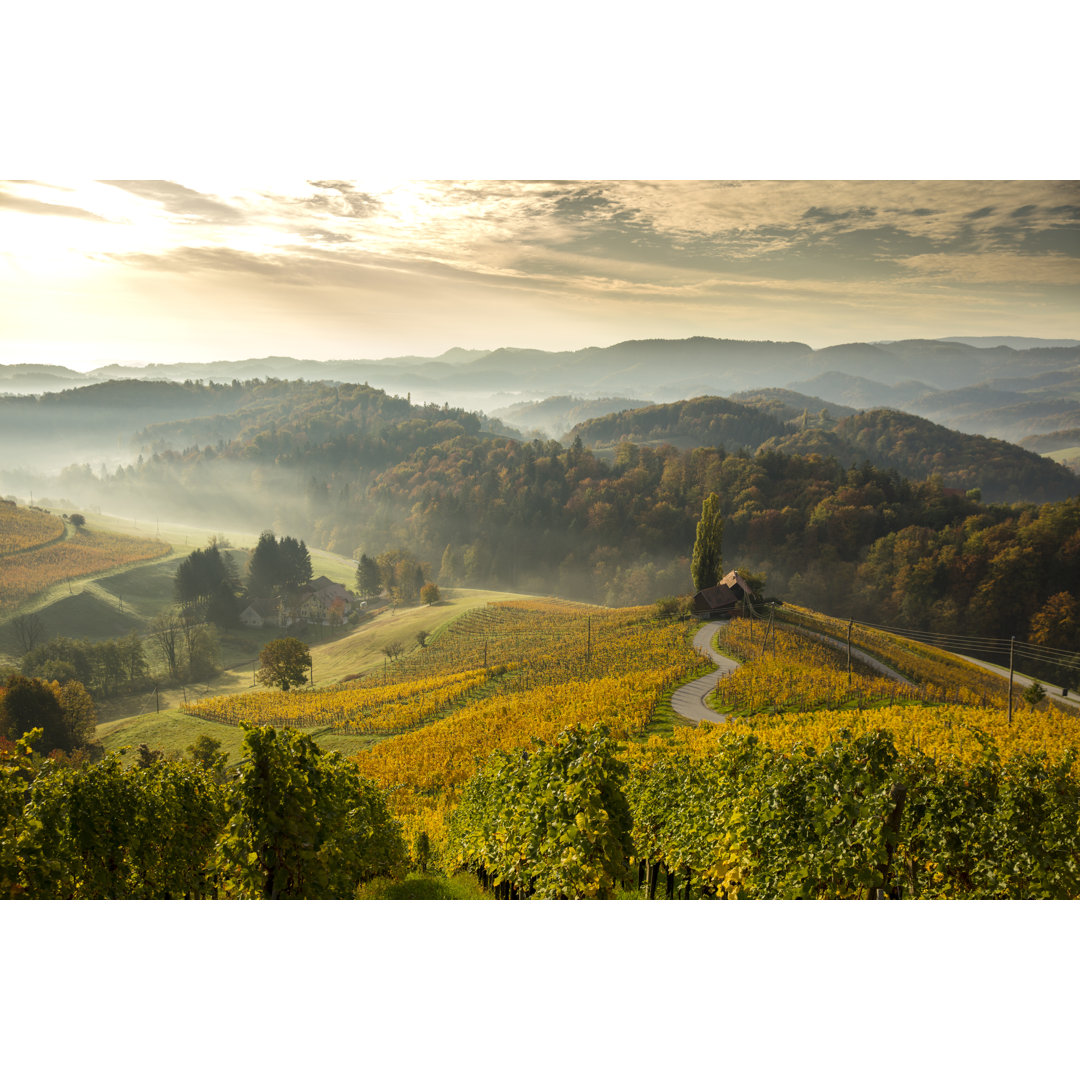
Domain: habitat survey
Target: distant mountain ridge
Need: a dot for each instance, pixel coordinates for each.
(1014, 342)
(961, 382)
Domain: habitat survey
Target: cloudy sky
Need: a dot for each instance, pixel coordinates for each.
(195, 269)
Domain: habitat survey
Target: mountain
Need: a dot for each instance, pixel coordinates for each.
(703, 421)
(950, 381)
(39, 378)
(859, 392)
(1053, 440)
(1014, 342)
(554, 416)
(919, 448)
(915, 447)
(789, 405)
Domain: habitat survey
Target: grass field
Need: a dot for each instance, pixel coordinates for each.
(113, 602)
(1069, 456)
(351, 653)
(173, 731)
(186, 538)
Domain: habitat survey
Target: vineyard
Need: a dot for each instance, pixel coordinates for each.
(798, 693)
(945, 677)
(516, 745)
(368, 710)
(494, 679)
(21, 528)
(35, 556)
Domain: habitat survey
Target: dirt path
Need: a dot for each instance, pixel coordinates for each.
(689, 700)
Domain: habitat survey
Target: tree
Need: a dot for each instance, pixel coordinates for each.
(202, 649)
(263, 569)
(393, 649)
(367, 577)
(29, 630)
(1034, 693)
(294, 563)
(165, 640)
(335, 614)
(77, 520)
(421, 638)
(284, 662)
(1056, 625)
(429, 594)
(706, 566)
(79, 712)
(207, 580)
(30, 703)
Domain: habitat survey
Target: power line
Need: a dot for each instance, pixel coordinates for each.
(956, 642)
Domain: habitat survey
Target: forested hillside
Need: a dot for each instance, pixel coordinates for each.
(353, 468)
(915, 447)
(703, 421)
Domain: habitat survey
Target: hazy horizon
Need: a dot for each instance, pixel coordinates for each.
(143, 272)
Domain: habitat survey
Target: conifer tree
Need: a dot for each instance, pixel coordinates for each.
(706, 566)
(264, 570)
(367, 577)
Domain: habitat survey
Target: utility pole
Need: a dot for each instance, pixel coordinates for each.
(849, 625)
(588, 649)
(1012, 642)
(768, 630)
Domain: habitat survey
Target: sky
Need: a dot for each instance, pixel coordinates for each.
(195, 268)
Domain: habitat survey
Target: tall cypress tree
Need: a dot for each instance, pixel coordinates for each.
(706, 566)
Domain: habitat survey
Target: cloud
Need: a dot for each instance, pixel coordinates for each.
(346, 200)
(181, 201)
(1002, 268)
(819, 213)
(188, 260)
(33, 206)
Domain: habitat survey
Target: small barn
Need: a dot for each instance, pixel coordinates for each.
(737, 584)
(720, 601)
(716, 602)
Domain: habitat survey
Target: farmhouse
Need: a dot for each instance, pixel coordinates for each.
(261, 613)
(721, 600)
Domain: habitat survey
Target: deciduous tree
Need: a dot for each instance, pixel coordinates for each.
(284, 663)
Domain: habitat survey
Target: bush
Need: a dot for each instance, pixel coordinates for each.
(671, 607)
(1034, 693)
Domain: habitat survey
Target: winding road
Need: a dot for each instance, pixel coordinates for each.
(688, 700)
